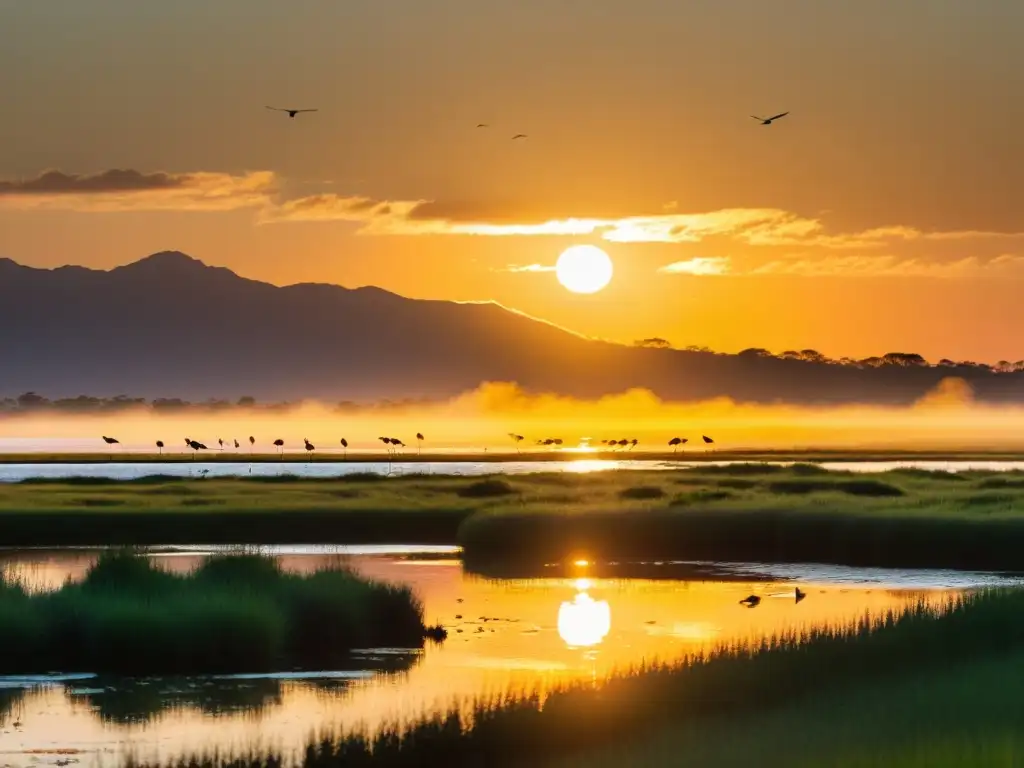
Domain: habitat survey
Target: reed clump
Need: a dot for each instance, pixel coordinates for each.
(234, 613)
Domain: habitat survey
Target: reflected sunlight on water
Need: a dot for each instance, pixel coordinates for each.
(516, 634)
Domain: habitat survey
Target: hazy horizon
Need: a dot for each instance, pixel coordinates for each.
(946, 418)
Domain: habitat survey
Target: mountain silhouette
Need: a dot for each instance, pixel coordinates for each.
(171, 326)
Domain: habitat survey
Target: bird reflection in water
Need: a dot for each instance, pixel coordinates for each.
(584, 622)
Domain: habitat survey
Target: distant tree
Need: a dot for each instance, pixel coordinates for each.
(170, 404)
(30, 400)
(905, 359)
(654, 342)
(790, 354)
(246, 402)
(813, 356)
(755, 352)
(872, 362)
(695, 348)
(946, 363)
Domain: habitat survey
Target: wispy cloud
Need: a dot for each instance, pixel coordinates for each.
(700, 265)
(529, 268)
(751, 226)
(129, 190)
(890, 266)
(854, 266)
(132, 190)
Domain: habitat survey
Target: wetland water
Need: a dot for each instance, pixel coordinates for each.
(513, 634)
(127, 470)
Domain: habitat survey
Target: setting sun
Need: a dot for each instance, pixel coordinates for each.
(584, 269)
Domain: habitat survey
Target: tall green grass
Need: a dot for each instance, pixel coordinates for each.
(234, 613)
(713, 688)
(767, 513)
(759, 512)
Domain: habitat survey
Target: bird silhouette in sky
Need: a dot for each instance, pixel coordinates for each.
(768, 120)
(292, 112)
(519, 136)
(482, 125)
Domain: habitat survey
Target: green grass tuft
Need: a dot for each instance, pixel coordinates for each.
(235, 613)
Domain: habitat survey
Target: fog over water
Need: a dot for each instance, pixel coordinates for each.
(482, 419)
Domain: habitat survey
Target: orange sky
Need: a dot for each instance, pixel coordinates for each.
(881, 215)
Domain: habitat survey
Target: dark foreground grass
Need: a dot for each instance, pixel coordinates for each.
(969, 714)
(234, 613)
(711, 690)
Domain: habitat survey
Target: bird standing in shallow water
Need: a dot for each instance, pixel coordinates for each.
(751, 601)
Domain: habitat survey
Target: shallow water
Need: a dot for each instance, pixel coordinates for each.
(517, 634)
(120, 470)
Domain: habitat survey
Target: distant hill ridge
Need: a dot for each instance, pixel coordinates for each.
(169, 326)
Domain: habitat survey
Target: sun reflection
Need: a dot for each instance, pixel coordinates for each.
(585, 621)
(589, 465)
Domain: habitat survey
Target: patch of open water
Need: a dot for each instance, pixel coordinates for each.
(503, 634)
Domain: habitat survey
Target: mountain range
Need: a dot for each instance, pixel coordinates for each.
(170, 326)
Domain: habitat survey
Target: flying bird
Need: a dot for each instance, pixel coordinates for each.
(520, 136)
(799, 594)
(768, 120)
(707, 440)
(751, 601)
(482, 125)
(292, 112)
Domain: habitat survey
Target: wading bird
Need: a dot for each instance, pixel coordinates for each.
(309, 447)
(799, 595)
(707, 440)
(768, 120)
(195, 445)
(280, 445)
(419, 442)
(111, 441)
(751, 601)
(674, 443)
(160, 446)
(237, 446)
(252, 442)
(221, 443)
(517, 439)
(292, 112)
(633, 443)
(623, 443)
(344, 446)
(520, 136)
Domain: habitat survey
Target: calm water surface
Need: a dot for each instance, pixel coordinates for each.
(121, 470)
(512, 634)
